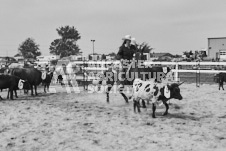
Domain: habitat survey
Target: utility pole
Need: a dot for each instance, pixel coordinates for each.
(93, 46)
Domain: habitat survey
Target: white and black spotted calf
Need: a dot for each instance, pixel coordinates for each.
(154, 92)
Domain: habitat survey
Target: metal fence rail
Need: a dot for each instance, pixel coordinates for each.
(195, 67)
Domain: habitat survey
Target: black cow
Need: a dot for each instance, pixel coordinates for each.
(12, 83)
(32, 75)
(222, 79)
(46, 82)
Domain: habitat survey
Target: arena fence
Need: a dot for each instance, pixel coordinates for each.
(194, 67)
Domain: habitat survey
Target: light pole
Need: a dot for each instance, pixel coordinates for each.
(93, 46)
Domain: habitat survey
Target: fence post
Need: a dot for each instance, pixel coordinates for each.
(198, 74)
(176, 73)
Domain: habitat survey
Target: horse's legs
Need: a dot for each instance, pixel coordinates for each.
(108, 90)
(134, 105)
(124, 96)
(121, 92)
(99, 85)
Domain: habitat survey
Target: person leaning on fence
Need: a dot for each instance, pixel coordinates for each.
(125, 55)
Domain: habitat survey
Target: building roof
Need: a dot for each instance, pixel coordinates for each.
(218, 38)
(160, 54)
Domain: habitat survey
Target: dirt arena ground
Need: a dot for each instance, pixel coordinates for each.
(84, 121)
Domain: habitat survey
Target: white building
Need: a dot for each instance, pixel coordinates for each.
(47, 58)
(96, 56)
(217, 48)
(108, 57)
(77, 57)
(19, 58)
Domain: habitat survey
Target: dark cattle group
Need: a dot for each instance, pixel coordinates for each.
(24, 78)
(32, 75)
(12, 83)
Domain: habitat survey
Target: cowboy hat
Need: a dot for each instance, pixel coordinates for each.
(127, 37)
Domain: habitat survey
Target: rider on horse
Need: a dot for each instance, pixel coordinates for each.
(125, 55)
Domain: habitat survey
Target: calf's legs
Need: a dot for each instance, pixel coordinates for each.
(136, 104)
(143, 104)
(167, 108)
(124, 96)
(107, 93)
(153, 110)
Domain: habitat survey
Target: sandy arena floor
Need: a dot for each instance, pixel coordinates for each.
(84, 121)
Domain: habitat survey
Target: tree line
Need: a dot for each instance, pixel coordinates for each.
(63, 46)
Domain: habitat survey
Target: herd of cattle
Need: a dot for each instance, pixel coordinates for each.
(151, 90)
(23, 78)
(15, 78)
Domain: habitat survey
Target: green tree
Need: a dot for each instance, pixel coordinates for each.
(66, 45)
(144, 48)
(29, 49)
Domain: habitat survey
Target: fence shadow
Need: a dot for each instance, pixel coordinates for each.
(183, 116)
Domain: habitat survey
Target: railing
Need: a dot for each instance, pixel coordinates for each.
(176, 64)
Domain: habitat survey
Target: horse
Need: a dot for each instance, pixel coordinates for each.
(136, 70)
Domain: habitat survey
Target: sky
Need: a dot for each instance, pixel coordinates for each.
(172, 26)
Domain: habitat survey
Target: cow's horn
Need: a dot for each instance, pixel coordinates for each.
(181, 83)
